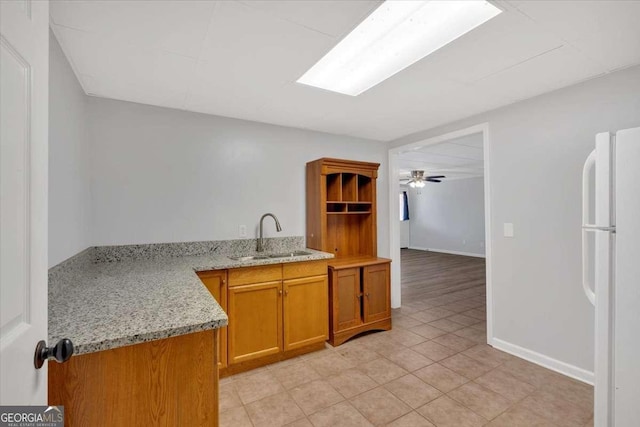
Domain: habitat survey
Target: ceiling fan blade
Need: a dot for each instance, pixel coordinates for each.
(436, 176)
(406, 180)
(433, 180)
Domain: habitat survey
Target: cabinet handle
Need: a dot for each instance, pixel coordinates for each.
(367, 294)
(224, 281)
(286, 292)
(280, 292)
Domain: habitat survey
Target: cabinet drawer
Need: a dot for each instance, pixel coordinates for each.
(258, 274)
(304, 269)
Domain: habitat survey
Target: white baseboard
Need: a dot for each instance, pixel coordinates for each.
(545, 361)
(445, 251)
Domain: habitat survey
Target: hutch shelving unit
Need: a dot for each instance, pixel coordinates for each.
(341, 219)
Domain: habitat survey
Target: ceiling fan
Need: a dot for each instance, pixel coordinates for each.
(418, 179)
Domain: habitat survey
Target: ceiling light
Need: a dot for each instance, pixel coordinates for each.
(416, 184)
(397, 34)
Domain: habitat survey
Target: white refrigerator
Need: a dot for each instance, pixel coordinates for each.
(614, 220)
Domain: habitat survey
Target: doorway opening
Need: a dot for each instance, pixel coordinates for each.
(441, 277)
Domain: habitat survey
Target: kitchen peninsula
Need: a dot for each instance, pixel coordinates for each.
(145, 330)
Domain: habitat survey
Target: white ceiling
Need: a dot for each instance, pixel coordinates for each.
(241, 59)
(456, 158)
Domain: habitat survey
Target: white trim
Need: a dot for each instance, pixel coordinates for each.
(486, 150)
(545, 361)
(445, 251)
(394, 226)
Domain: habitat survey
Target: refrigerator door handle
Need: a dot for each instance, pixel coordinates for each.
(586, 202)
(593, 227)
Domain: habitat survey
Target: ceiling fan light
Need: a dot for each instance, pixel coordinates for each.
(419, 184)
(412, 184)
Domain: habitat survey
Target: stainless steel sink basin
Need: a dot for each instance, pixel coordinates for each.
(248, 257)
(289, 254)
(268, 256)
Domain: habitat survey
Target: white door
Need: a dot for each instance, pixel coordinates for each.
(24, 68)
(626, 348)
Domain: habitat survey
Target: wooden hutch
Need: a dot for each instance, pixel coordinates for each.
(341, 219)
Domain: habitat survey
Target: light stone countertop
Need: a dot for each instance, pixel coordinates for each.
(105, 305)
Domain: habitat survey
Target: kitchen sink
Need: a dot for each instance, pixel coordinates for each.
(289, 254)
(249, 257)
(268, 256)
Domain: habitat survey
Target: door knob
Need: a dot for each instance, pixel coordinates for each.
(61, 352)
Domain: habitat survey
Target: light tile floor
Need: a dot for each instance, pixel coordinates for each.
(432, 369)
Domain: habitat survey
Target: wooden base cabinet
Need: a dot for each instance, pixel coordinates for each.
(275, 312)
(360, 298)
(167, 382)
(268, 318)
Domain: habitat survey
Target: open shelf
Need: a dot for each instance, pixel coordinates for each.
(365, 189)
(349, 187)
(361, 207)
(349, 213)
(336, 207)
(334, 186)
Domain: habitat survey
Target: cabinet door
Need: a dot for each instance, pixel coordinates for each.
(255, 321)
(306, 311)
(345, 298)
(216, 283)
(377, 293)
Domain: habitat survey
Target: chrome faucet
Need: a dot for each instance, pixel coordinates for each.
(260, 247)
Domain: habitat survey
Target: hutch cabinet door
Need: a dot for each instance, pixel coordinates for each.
(345, 296)
(377, 298)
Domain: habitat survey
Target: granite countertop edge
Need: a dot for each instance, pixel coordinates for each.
(224, 264)
(97, 304)
(109, 344)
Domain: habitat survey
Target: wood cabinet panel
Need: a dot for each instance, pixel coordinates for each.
(346, 299)
(344, 235)
(295, 270)
(306, 311)
(168, 382)
(255, 321)
(376, 289)
(258, 274)
(216, 282)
